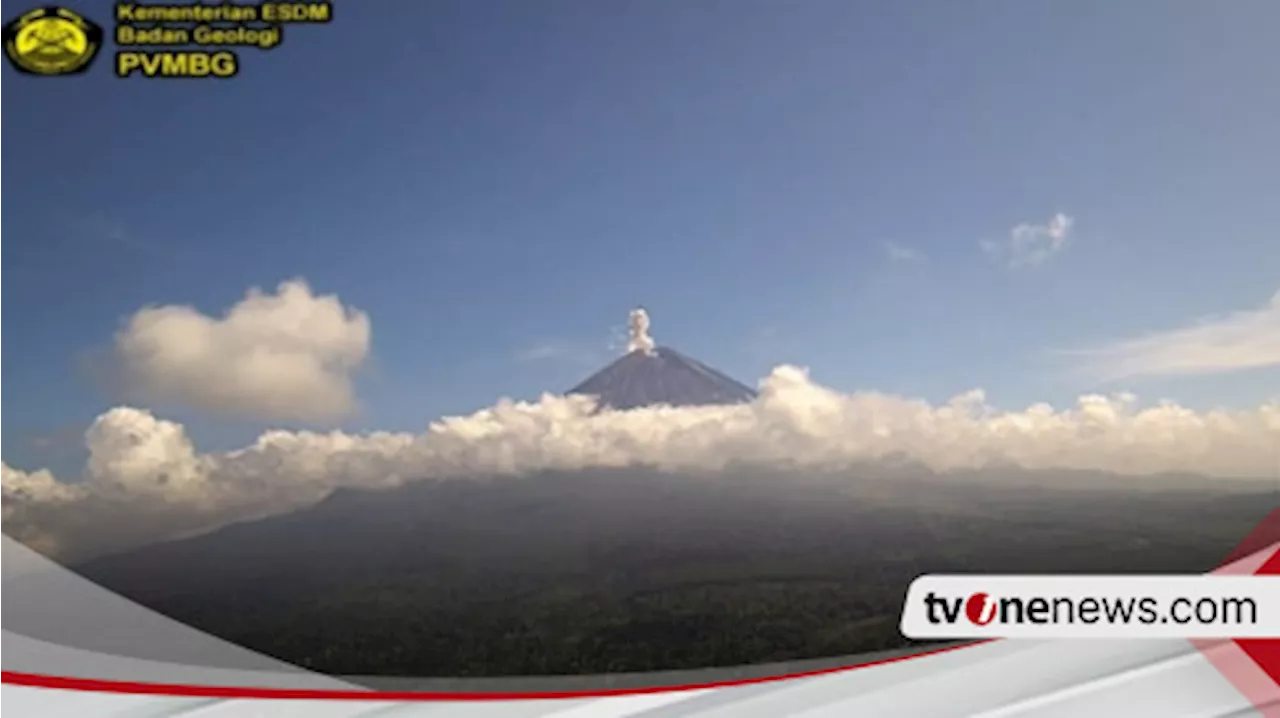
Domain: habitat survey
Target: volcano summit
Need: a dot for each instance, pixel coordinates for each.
(650, 375)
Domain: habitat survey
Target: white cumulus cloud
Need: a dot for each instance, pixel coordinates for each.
(1238, 341)
(1030, 245)
(284, 356)
(145, 480)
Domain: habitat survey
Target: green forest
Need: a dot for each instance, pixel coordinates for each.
(642, 571)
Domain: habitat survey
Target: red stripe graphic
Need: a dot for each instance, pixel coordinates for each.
(1252, 665)
(1265, 653)
(193, 691)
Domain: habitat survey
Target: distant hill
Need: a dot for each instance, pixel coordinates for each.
(662, 376)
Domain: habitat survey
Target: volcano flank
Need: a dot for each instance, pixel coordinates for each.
(648, 375)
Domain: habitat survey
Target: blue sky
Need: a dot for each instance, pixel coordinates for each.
(489, 180)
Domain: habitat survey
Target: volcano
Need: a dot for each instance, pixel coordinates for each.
(649, 375)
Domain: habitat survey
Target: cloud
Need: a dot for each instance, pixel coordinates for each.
(101, 228)
(58, 442)
(542, 352)
(1031, 245)
(285, 356)
(28, 495)
(900, 254)
(145, 480)
(1242, 340)
(569, 353)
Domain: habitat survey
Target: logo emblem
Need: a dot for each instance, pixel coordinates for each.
(980, 609)
(51, 41)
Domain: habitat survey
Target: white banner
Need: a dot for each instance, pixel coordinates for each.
(976, 606)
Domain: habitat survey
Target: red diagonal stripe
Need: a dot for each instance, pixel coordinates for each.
(1266, 651)
(1263, 535)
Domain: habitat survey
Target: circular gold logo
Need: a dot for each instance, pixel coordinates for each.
(51, 41)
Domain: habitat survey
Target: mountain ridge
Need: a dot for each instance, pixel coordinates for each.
(661, 376)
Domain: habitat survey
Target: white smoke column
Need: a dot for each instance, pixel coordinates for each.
(638, 332)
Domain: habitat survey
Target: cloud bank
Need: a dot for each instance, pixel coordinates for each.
(1235, 342)
(145, 480)
(287, 356)
(1031, 245)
